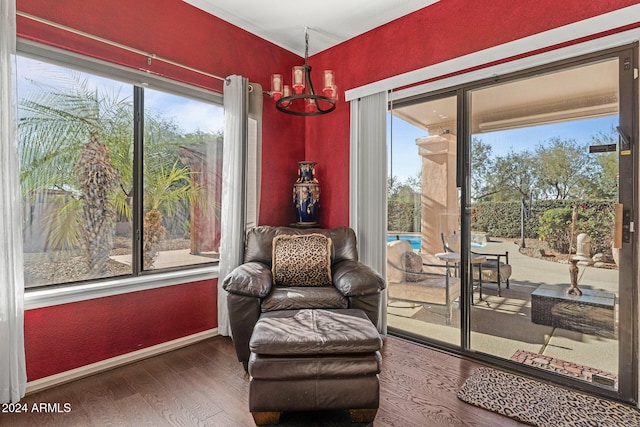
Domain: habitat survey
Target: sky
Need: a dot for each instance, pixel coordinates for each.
(407, 163)
(191, 115)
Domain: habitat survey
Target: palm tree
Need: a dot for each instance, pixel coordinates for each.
(64, 134)
(79, 141)
(97, 177)
(164, 191)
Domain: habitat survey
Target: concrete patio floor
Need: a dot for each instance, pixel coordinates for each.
(174, 258)
(502, 326)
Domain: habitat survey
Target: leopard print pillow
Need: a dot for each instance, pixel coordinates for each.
(301, 260)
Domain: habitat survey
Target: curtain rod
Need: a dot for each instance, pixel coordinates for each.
(150, 56)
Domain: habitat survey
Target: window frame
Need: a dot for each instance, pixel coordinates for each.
(139, 279)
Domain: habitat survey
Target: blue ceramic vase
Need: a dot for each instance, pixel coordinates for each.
(306, 194)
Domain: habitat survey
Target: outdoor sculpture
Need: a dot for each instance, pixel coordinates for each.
(573, 273)
(583, 249)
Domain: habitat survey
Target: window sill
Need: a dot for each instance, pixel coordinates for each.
(39, 298)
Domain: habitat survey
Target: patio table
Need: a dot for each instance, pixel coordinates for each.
(455, 257)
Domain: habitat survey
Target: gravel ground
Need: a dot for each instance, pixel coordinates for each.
(539, 249)
(44, 268)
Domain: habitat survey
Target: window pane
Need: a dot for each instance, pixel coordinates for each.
(75, 146)
(182, 181)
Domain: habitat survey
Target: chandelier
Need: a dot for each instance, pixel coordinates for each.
(303, 101)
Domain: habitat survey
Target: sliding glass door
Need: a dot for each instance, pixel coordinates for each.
(526, 206)
(423, 208)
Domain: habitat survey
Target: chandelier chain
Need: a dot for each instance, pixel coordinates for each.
(306, 46)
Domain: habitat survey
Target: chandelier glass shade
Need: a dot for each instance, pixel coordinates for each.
(300, 98)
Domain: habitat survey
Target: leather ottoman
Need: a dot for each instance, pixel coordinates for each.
(314, 359)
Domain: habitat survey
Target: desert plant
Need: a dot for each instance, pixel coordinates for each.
(97, 178)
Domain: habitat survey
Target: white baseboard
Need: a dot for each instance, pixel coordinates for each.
(103, 365)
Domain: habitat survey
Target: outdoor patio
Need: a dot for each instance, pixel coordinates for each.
(502, 326)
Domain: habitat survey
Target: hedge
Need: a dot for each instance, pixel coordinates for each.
(502, 219)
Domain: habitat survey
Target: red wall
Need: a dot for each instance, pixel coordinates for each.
(443, 31)
(67, 336)
(64, 337)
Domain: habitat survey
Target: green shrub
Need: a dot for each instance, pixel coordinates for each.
(401, 216)
(597, 220)
(555, 228)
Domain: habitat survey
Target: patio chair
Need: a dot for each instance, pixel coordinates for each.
(496, 269)
(407, 280)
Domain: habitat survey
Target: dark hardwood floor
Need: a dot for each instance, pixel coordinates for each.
(204, 385)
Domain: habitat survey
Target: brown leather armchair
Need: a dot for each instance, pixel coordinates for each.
(251, 291)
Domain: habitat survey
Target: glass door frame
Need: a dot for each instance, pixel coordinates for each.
(628, 286)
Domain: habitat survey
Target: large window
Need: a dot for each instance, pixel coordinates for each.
(116, 179)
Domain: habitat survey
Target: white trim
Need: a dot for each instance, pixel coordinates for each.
(38, 298)
(114, 362)
(354, 147)
(588, 27)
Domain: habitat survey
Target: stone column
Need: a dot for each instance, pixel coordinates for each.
(439, 199)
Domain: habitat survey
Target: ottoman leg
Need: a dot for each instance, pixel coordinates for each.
(265, 418)
(362, 415)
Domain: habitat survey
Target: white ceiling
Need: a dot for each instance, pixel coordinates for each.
(330, 22)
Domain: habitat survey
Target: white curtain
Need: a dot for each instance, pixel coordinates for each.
(254, 154)
(240, 179)
(368, 185)
(13, 377)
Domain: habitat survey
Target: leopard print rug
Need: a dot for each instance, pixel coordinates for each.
(540, 404)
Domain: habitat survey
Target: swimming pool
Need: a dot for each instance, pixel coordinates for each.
(415, 240)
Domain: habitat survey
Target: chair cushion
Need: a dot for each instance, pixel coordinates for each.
(291, 367)
(490, 271)
(395, 254)
(412, 263)
(297, 297)
(301, 260)
(432, 290)
(317, 331)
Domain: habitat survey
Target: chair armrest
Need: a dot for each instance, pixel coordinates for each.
(251, 279)
(353, 278)
(497, 256)
(446, 267)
